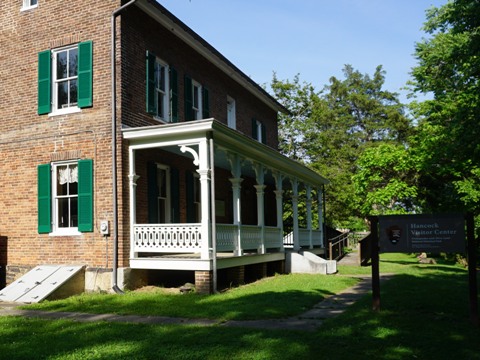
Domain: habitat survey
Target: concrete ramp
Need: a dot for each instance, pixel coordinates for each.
(43, 281)
(309, 263)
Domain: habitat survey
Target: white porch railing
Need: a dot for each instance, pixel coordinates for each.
(167, 238)
(185, 238)
(304, 238)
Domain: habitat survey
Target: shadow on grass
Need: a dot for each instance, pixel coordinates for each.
(421, 318)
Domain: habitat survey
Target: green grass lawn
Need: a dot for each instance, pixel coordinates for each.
(424, 315)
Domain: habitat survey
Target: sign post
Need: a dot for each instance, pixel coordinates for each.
(472, 270)
(375, 263)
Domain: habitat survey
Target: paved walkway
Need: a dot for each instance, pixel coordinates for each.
(308, 321)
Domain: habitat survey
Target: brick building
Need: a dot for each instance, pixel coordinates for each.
(190, 143)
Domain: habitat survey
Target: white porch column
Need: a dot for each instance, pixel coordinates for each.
(261, 216)
(309, 215)
(132, 177)
(320, 216)
(237, 212)
(204, 171)
(279, 202)
(236, 180)
(260, 187)
(296, 237)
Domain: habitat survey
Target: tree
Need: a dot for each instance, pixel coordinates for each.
(385, 182)
(330, 129)
(448, 135)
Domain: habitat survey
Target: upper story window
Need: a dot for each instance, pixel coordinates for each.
(162, 97)
(65, 79)
(231, 113)
(197, 104)
(196, 100)
(29, 4)
(161, 90)
(259, 132)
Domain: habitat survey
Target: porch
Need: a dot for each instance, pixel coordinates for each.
(237, 202)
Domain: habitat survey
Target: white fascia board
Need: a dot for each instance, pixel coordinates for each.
(185, 34)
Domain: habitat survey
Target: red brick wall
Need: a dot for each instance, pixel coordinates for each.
(28, 139)
(141, 33)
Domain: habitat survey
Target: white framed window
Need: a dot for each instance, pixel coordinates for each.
(259, 131)
(162, 91)
(65, 198)
(163, 184)
(196, 100)
(231, 113)
(65, 80)
(29, 4)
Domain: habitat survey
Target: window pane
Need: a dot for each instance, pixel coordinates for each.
(62, 210)
(73, 62)
(62, 64)
(62, 94)
(33, 2)
(162, 78)
(162, 183)
(196, 92)
(160, 105)
(62, 180)
(73, 92)
(161, 211)
(73, 212)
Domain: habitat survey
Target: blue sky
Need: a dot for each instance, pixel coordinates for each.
(313, 38)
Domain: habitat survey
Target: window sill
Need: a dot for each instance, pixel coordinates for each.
(160, 120)
(70, 110)
(66, 232)
(29, 8)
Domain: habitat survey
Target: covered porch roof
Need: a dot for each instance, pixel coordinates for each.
(225, 138)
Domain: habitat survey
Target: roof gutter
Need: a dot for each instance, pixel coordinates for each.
(115, 13)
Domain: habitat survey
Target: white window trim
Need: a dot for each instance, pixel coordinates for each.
(70, 109)
(168, 200)
(198, 110)
(167, 116)
(27, 5)
(56, 231)
(231, 113)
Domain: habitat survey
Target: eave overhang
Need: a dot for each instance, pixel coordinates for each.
(192, 39)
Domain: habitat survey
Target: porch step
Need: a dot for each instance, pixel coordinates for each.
(306, 262)
(43, 281)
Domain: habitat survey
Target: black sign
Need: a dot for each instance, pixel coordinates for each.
(422, 233)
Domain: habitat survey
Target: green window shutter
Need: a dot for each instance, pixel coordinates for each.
(254, 129)
(151, 59)
(152, 193)
(189, 179)
(85, 195)
(175, 195)
(173, 95)
(188, 99)
(85, 74)
(264, 134)
(44, 82)
(44, 198)
(205, 103)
